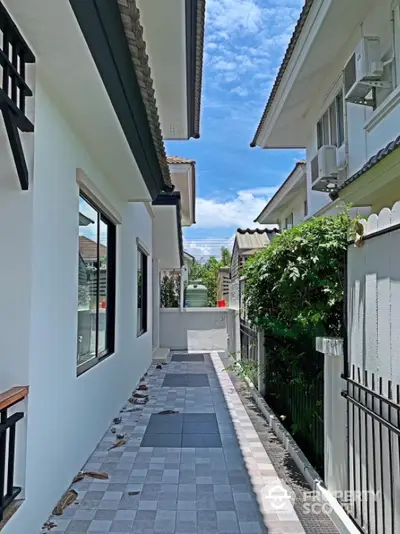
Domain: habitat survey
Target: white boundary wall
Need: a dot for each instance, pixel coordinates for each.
(194, 328)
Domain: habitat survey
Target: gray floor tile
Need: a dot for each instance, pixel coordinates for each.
(199, 418)
(201, 440)
(187, 358)
(167, 426)
(161, 440)
(179, 473)
(200, 427)
(192, 380)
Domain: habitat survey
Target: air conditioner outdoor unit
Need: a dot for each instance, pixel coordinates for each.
(324, 169)
(364, 71)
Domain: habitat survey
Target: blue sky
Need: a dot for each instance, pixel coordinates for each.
(245, 43)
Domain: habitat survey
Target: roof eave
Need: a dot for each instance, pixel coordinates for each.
(195, 21)
(102, 27)
(270, 207)
(287, 57)
(173, 199)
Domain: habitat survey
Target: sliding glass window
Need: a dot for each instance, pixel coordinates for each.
(96, 285)
(142, 267)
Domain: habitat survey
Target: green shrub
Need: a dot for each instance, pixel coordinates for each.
(294, 290)
(295, 285)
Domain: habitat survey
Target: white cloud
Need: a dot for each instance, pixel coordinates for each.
(246, 40)
(238, 212)
(235, 15)
(204, 248)
(241, 91)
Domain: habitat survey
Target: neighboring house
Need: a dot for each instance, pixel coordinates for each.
(288, 206)
(248, 242)
(337, 95)
(89, 92)
(188, 258)
(223, 281)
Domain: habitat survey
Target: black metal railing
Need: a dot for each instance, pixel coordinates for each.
(298, 400)
(248, 343)
(373, 422)
(15, 54)
(8, 492)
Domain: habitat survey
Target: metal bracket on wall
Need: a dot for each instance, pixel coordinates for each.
(16, 146)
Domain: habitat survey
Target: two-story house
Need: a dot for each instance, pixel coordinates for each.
(89, 91)
(336, 95)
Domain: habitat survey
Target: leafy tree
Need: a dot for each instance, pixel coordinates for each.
(225, 257)
(294, 292)
(207, 273)
(169, 291)
(294, 287)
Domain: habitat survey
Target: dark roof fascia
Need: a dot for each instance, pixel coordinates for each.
(102, 27)
(194, 19)
(173, 199)
(374, 160)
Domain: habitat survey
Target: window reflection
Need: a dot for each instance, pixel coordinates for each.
(95, 296)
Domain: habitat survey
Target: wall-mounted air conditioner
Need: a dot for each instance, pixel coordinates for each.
(364, 71)
(324, 169)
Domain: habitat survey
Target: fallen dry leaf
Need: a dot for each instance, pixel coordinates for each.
(167, 412)
(68, 498)
(49, 525)
(95, 474)
(119, 443)
(78, 478)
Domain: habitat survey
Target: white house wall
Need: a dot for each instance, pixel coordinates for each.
(295, 206)
(67, 415)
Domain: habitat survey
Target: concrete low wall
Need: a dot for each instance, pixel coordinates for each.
(194, 328)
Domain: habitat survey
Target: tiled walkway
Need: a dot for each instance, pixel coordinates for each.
(205, 473)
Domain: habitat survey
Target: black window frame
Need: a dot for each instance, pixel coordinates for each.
(143, 295)
(111, 287)
(289, 221)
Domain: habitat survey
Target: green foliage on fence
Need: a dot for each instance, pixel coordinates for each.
(294, 287)
(294, 292)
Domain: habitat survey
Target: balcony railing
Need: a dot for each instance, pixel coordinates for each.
(9, 492)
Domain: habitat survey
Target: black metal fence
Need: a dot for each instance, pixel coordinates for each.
(248, 343)
(373, 421)
(298, 400)
(8, 492)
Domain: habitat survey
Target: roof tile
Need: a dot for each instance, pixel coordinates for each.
(374, 160)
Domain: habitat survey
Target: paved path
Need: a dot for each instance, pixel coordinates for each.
(203, 470)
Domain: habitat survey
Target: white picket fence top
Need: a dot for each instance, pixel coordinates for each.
(386, 218)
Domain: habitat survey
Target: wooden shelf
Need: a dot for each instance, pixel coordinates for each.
(12, 396)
